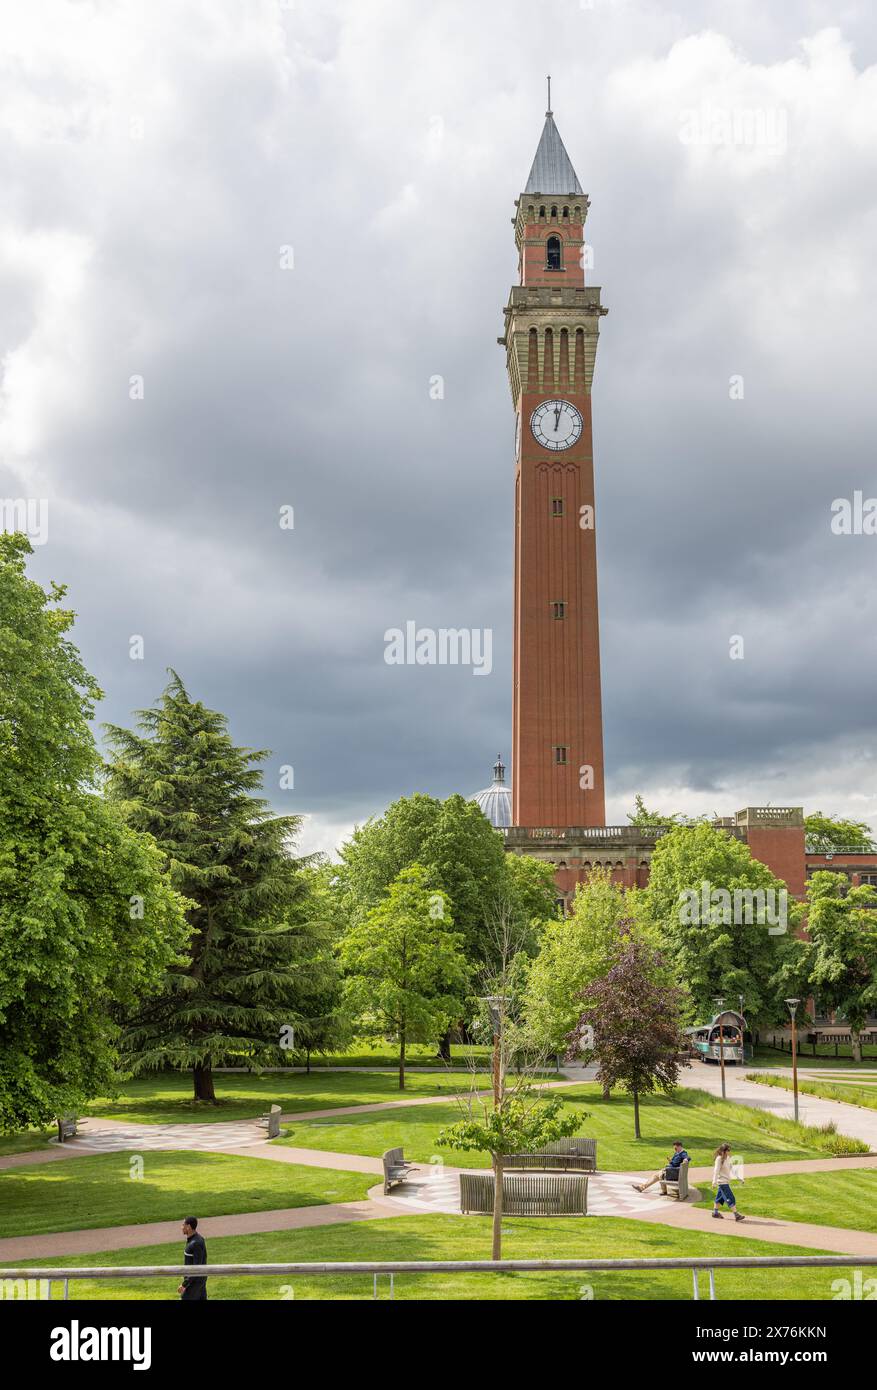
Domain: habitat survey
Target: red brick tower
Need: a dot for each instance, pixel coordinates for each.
(551, 328)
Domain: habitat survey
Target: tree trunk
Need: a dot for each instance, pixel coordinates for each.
(856, 1044)
(203, 1079)
(444, 1048)
(308, 1066)
(402, 1060)
(497, 1208)
(607, 1091)
(636, 1114)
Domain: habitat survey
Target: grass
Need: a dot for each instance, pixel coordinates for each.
(25, 1141)
(167, 1098)
(381, 1054)
(848, 1092)
(769, 1057)
(437, 1237)
(84, 1193)
(847, 1199)
(697, 1118)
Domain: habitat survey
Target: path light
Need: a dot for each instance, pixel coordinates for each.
(792, 1005)
(743, 1033)
(720, 1004)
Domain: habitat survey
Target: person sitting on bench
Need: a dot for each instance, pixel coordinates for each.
(671, 1170)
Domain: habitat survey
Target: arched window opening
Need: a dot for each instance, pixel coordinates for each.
(552, 253)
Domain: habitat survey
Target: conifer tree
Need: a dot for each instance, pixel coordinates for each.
(254, 954)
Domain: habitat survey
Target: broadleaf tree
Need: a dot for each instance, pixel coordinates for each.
(465, 859)
(825, 834)
(89, 923)
(840, 956)
(726, 922)
(574, 950)
(515, 1116)
(406, 974)
(632, 1022)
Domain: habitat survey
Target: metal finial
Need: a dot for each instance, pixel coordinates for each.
(549, 111)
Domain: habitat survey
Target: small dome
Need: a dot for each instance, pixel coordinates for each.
(496, 800)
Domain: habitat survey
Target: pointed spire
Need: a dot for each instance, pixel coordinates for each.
(552, 170)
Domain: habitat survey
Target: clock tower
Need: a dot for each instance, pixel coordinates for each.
(551, 328)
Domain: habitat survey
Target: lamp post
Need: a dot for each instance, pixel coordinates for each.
(742, 1029)
(792, 1005)
(720, 1004)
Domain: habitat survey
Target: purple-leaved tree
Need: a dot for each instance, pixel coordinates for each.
(631, 1025)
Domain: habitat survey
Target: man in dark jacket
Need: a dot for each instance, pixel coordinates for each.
(677, 1158)
(195, 1253)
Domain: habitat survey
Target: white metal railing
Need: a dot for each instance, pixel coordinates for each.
(697, 1264)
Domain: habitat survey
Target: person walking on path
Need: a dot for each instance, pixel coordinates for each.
(195, 1253)
(722, 1184)
(679, 1156)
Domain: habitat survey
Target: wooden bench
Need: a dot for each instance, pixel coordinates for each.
(677, 1185)
(525, 1194)
(563, 1156)
(67, 1127)
(271, 1122)
(396, 1170)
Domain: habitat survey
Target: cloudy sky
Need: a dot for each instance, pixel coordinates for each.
(283, 221)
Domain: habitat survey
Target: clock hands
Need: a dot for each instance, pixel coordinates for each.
(554, 438)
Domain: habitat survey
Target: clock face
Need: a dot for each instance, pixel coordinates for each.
(556, 424)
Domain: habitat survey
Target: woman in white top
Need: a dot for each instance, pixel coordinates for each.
(722, 1184)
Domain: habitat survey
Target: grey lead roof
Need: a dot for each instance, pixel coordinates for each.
(552, 170)
(495, 801)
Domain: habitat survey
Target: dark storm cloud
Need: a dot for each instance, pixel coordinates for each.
(388, 155)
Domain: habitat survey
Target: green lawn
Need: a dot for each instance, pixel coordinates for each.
(824, 1057)
(847, 1199)
(701, 1121)
(382, 1054)
(167, 1098)
(467, 1238)
(25, 1141)
(849, 1092)
(83, 1193)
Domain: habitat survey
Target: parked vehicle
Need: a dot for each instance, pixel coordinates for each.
(723, 1032)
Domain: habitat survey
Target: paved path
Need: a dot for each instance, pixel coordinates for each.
(100, 1135)
(854, 1120)
(792, 1165)
(834, 1239)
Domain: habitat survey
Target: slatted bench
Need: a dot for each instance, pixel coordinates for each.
(525, 1194)
(67, 1127)
(677, 1185)
(563, 1156)
(396, 1170)
(271, 1122)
